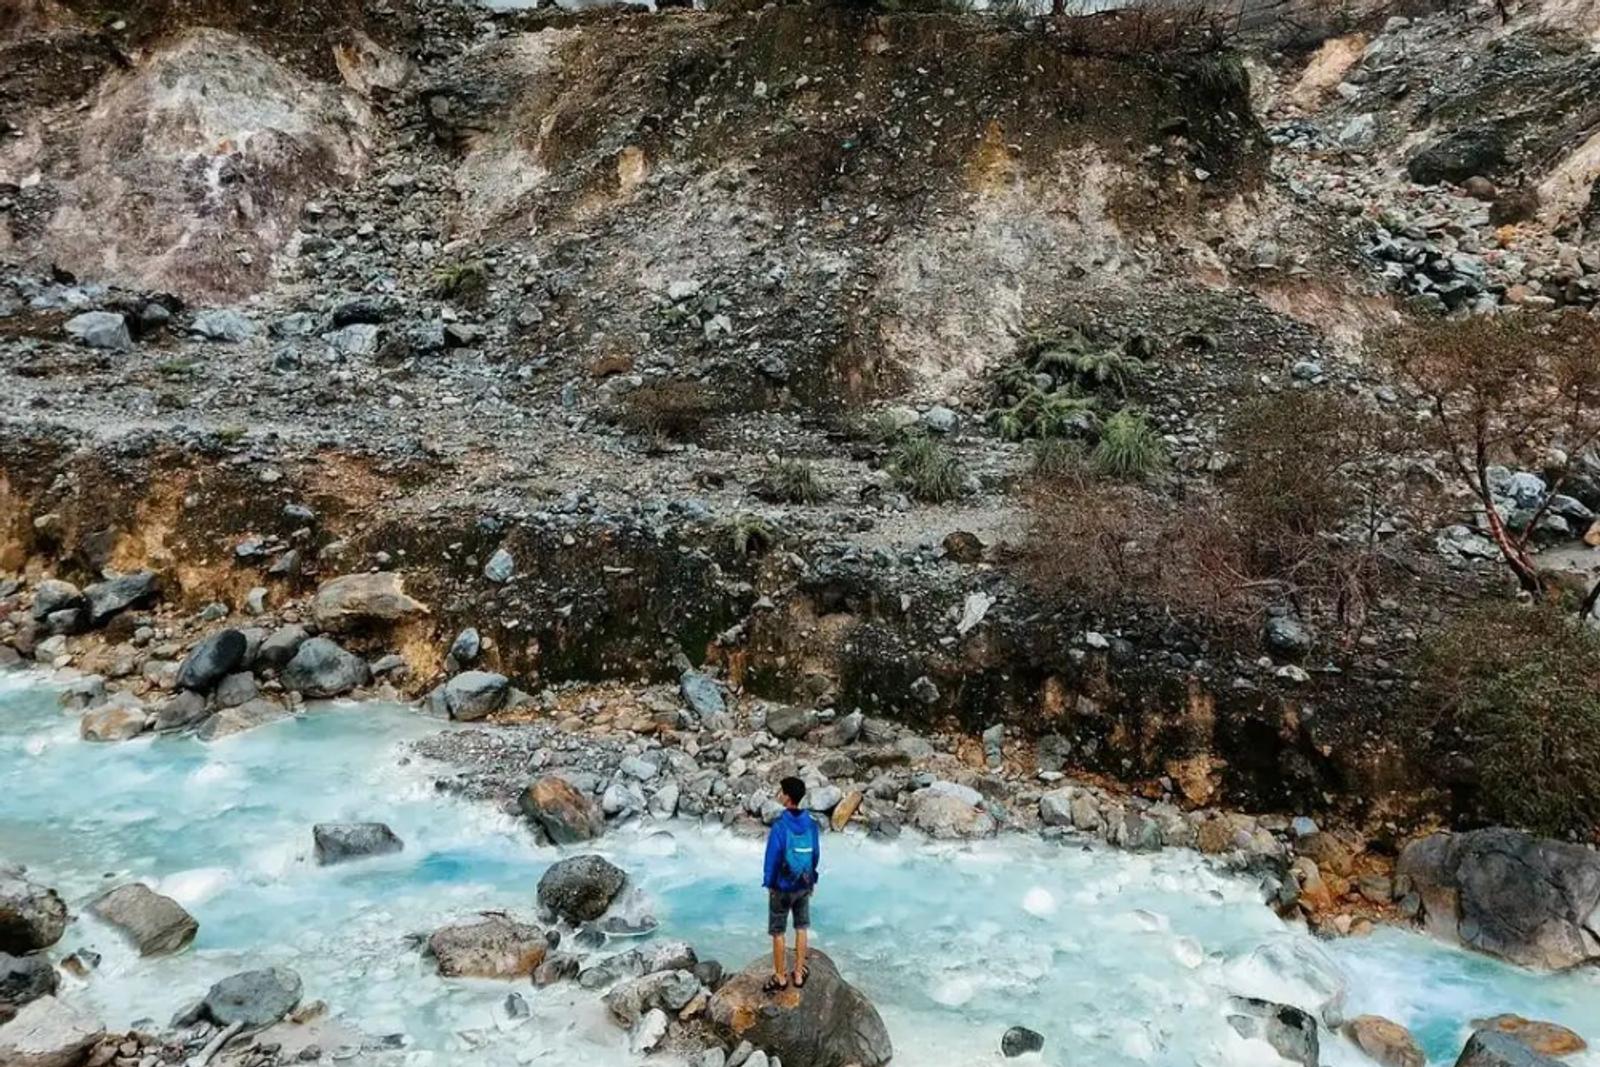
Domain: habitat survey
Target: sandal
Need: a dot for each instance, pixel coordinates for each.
(775, 984)
(800, 976)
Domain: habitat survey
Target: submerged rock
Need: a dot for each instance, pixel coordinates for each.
(580, 889)
(363, 599)
(48, 1033)
(246, 716)
(254, 998)
(826, 1023)
(339, 842)
(32, 917)
(1291, 1032)
(561, 811)
(1525, 899)
(320, 669)
(156, 925)
(119, 719)
(496, 947)
(1384, 1041)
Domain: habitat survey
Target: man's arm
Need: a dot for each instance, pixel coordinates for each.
(769, 869)
(816, 857)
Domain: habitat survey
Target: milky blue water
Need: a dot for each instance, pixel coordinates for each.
(1118, 959)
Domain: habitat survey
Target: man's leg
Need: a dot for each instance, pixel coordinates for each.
(777, 919)
(779, 970)
(802, 931)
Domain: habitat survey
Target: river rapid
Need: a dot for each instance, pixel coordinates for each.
(1117, 958)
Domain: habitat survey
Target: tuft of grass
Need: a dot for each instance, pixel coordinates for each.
(466, 281)
(790, 481)
(1129, 448)
(1054, 457)
(676, 410)
(750, 535)
(927, 469)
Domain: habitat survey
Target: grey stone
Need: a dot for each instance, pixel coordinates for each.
(500, 567)
(24, 979)
(351, 601)
(48, 1033)
(473, 695)
(828, 1023)
(340, 842)
(157, 925)
(581, 888)
(120, 593)
(280, 646)
(254, 998)
(1019, 1041)
(465, 648)
(494, 947)
(247, 716)
(702, 694)
(222, 324)
(786, 722)
(100, 329)
(53, 595)
(1286, 637)
(236, 689)
(183, 708)
(212, 659)
(1291, 1032)
(1491, 1048)
(320, 668)
(565, 814)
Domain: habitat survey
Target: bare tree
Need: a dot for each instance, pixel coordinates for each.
(1504, 387)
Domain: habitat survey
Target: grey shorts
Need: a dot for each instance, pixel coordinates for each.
(779, 905)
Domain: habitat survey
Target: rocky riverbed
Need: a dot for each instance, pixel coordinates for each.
(954, 941)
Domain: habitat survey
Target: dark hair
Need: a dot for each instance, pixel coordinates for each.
(793, 788)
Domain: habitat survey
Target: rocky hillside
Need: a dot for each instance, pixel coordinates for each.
(759, 339)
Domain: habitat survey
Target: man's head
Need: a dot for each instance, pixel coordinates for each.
(792, 791)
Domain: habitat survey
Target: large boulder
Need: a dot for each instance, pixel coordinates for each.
(118, 594)
(1529, 900)
(495, 947)
(121, 718)
(354, 600)
(1490, 1048)
(24, 979)
(254, 998)
(340, 842)
(581, 888)
(247, 716)
(48, 1033)
(320, 669)
(157, 925)
(211, 660)
(949, 811)
(1547, 1039)
(826, 1023)
(561, 811)
(472, 695)
(31, 916)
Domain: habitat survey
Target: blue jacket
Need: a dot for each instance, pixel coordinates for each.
(774, 876)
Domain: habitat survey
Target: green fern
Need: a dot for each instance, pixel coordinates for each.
(1129, 448)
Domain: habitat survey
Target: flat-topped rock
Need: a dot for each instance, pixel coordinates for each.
(48, 1033)
(341, 842)
(353, 600)
(157, 925)
(494, 947)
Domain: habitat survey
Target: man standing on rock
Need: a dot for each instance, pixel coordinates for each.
(794, 850)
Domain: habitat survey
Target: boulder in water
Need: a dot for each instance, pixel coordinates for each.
(339, 842)
(24, 979)
(118, 594)
(119, 719)
(495, 947)
(1291, 1032)
(1491, 1048)
(32, 917)
(1019, 1041)
(48, 1033)
(254, 998)
(183, 708)
(211, 660)
(1384, 1041)
(1525, 899)
(665, 990)
(826, 1023)
(156, 925)
(247, 716)
(580, 889)
(353, 600)
(1547, 1039)
(561, 811)
(320, 669)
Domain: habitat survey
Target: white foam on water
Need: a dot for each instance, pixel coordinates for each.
(1039, 902)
